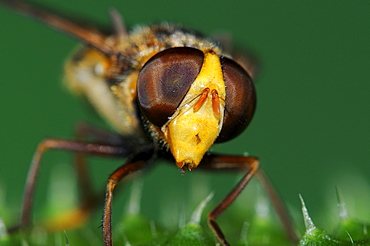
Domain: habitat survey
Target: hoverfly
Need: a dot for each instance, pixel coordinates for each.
(168, 92)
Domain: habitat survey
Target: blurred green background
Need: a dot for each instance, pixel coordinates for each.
(311, 129)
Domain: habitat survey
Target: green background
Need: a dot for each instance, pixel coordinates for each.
(311, 129)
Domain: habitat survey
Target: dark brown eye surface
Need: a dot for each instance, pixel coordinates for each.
(240, 100)
(164, 81)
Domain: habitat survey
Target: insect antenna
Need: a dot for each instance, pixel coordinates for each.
(85, 34)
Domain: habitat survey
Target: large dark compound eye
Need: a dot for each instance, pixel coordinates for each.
(240, 100)
(164, 81)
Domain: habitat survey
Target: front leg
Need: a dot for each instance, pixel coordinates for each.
(133, 165)
(248, 165)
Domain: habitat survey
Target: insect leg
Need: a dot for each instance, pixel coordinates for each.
(88, 197)
(85, 132)
(279, 206)
(56, 144)
(131, 166)
(249, 165)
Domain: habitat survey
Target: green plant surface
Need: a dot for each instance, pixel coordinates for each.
(137, 228)
(356, 233)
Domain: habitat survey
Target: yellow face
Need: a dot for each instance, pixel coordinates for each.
(196, 123)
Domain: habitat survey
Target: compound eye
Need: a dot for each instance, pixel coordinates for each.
(240, 100)
(164, 81)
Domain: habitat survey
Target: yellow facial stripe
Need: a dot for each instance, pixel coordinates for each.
(210, 76)
(196, 123)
